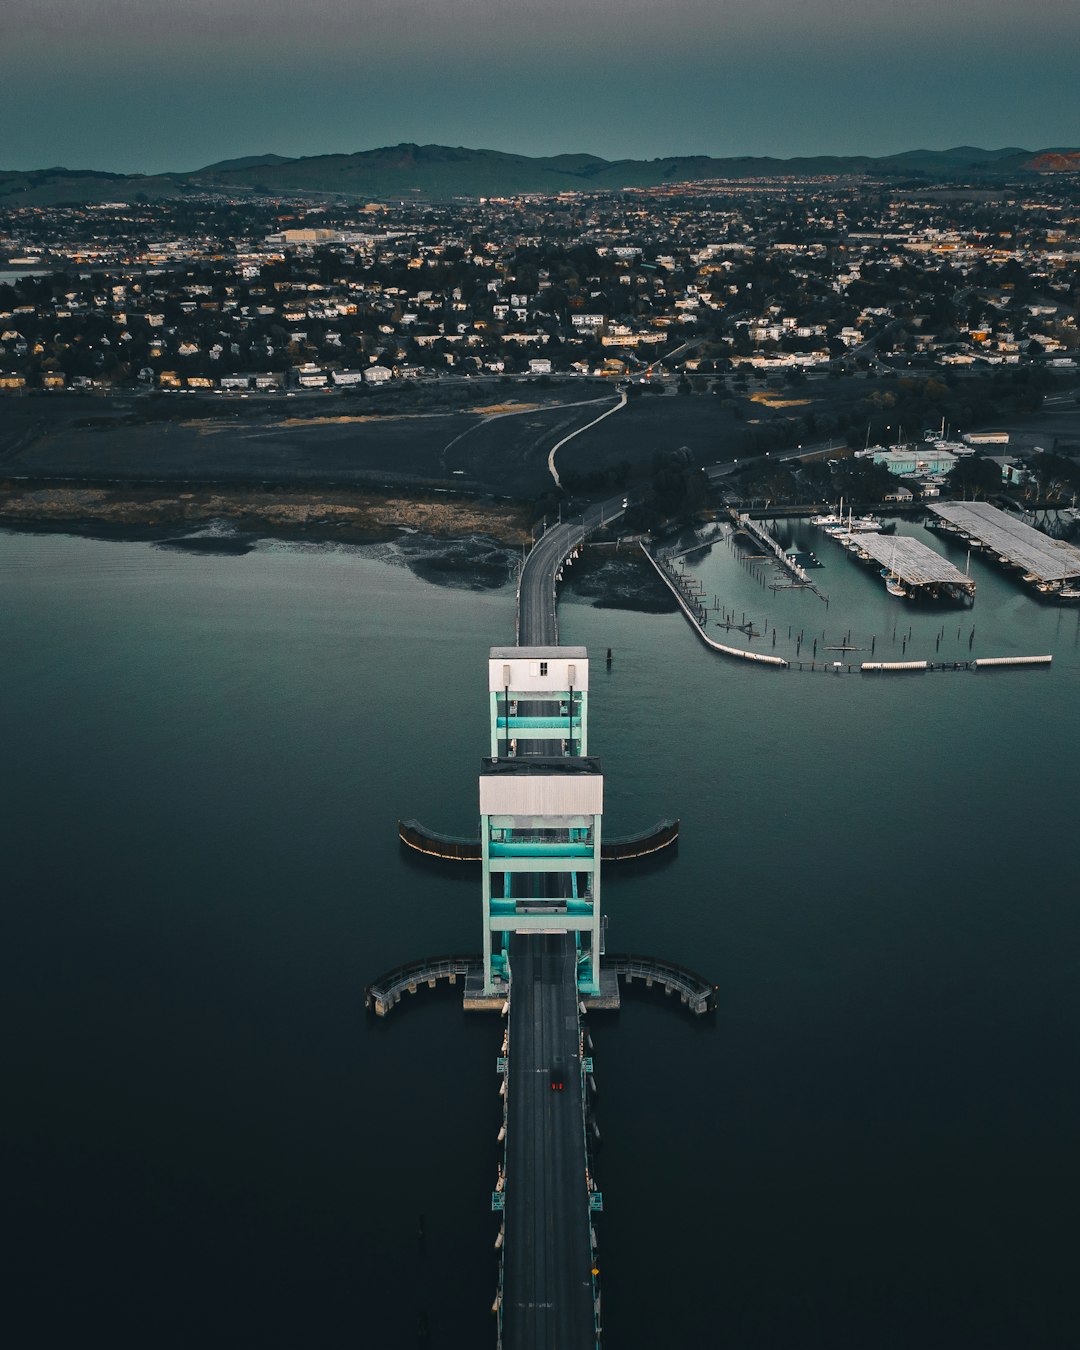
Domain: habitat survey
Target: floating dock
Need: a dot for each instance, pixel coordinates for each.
(919, 569)
(1046, 563)
(981, 662)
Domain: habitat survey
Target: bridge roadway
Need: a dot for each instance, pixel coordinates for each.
(547, 1252)
(537, 623)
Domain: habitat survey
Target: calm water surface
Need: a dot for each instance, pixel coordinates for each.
(208, 1144)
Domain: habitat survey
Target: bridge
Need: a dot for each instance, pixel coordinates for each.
(540, 851)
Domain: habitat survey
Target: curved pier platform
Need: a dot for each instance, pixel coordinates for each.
(694, 991)
(381, 995)
(454, 848)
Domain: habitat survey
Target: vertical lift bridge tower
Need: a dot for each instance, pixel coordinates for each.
(541, 806)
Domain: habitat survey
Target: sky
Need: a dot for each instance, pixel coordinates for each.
(154, 85)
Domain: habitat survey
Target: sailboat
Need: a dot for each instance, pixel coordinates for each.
(892, 580)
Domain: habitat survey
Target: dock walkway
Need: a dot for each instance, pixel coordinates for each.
(695, 613)
(783, 559)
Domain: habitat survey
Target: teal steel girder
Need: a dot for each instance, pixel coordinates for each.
(546, 863)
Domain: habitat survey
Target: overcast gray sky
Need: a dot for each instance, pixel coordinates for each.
(175, 84)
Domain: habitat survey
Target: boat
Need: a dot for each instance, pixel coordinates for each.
(831, 518)
(835, 525)
(835, 522)
(892, 580)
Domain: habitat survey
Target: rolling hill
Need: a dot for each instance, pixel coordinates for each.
(440, 172)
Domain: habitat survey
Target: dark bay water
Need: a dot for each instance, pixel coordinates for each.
(207, 1143)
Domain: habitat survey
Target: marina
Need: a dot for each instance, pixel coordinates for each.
(1047, 564)
(918, 570)
(780, 632)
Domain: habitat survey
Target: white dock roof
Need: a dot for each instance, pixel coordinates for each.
(1045, 558)
(912, 561)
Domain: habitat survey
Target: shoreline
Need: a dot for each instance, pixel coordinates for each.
(447, 541)
(325, 516)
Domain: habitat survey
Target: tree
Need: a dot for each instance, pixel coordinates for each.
(974, 476)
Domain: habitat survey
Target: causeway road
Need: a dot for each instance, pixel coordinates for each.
(537, 621)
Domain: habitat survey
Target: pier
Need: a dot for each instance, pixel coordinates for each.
(920, 570)
(761, 536)
(695, 612)
(1050, 565)
(382, 994)
(695, 992)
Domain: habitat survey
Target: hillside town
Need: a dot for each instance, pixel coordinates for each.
(823, 312)
(765, 278)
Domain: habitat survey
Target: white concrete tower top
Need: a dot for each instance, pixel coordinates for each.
(538, 670)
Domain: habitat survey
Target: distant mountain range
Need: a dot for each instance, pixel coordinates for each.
(441, 172)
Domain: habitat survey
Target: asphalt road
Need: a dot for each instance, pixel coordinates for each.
(537, 621)
(547, 1281)
(547, 1263)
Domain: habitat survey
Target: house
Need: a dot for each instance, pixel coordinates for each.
(378, 375)
(310, 376)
